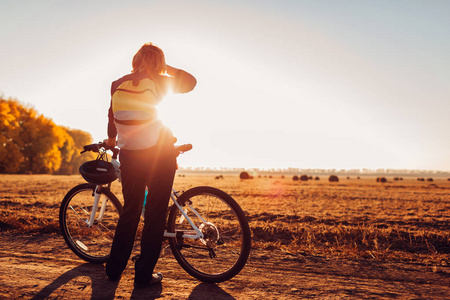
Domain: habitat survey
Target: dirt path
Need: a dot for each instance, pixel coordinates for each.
(42, 267)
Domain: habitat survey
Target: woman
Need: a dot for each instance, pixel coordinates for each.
(147, 157)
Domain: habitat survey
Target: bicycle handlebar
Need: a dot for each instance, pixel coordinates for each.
(96, 148)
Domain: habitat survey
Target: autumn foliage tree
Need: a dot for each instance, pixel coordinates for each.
(10, 154)
(32, 143)
(70, 152)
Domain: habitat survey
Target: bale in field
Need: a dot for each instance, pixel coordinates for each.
(304, 178)
(317, 178)
(430, 179)
(295, 178)
(333, 178)
(245, 175)
(396, 178)
(383, 179)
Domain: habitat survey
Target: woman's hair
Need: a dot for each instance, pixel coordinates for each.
(149, 59)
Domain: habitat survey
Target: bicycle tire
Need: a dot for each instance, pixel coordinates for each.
(91, 244)
(226, 232)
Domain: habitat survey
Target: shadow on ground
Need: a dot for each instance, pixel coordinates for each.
(101, 287)
(89, 281)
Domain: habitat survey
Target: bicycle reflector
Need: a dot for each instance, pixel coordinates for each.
(98, 172)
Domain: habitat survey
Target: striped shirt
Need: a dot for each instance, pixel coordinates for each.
(132, 114)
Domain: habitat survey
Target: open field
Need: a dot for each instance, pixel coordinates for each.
(352, 233)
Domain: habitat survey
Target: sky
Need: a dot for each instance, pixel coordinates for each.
(303, 84)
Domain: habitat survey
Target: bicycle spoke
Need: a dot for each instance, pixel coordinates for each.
(71, 207)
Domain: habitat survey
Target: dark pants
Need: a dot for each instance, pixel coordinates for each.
(155, 168)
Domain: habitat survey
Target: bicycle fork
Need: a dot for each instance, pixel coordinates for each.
(97, 195)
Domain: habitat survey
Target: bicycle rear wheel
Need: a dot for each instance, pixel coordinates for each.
(92, 244)
(225, 247)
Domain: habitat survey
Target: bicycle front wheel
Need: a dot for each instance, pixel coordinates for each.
(91, 243)
(224, 249)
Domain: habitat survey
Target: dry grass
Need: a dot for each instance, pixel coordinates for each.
(397, 220)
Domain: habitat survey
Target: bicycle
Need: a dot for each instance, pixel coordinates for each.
(207, 230)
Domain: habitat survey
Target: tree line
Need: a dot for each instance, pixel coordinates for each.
(33, 144)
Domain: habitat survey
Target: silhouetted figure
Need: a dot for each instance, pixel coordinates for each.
(147, 157)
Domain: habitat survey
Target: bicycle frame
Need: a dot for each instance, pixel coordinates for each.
(196, 233)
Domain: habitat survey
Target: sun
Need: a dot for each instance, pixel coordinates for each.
(175, 112)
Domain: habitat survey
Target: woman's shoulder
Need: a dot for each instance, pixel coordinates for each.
(119, 81)
(129, 77)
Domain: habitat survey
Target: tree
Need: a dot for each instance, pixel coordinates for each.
(78, 139)
(10, 154)
(32, 143)
(40, 143)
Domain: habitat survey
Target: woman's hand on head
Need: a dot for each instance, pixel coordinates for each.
(180, 81)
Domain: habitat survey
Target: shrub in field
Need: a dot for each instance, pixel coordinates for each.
(304, 178)
(430, 179)
(245, 175)
(381, 179)
(333, 178)
(295, 178)
(316, 178)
